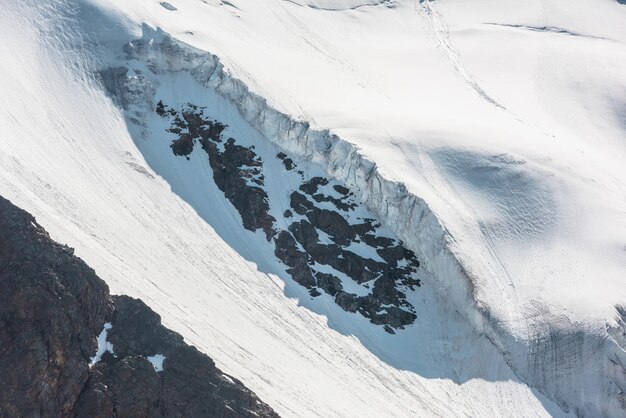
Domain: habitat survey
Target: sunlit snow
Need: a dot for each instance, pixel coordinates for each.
(497, 131)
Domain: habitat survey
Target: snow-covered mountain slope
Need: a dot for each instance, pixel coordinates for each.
(497, 132)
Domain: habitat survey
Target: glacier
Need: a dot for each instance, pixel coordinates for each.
(510, 198)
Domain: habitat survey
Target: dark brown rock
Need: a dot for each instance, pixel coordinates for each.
(233, 165)
(341, 189)
(237, 172)
(299, 203)
(333, 224)
(329, 283)
(52, 307)
(310, 187)
(287, 251)
(182, 146)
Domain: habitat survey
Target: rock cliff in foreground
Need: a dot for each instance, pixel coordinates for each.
(69, 348)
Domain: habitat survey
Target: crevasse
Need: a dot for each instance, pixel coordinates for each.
(559, 360)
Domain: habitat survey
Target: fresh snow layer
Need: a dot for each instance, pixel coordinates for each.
(103, 344)
(505, 117)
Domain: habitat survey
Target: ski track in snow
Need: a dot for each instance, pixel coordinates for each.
(442, 34)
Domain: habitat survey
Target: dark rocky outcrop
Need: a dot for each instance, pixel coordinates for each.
(341, 189)
(234, 167)
(231, 168)
(386, 304)
(333, 224)
(287, 251)
(311, 188)
(287, 162)
(300, 204)
(304, 247)
(329, 283)
(52, 307)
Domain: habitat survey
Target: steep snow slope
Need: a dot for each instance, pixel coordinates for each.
(67, 155)
(525, 181)
(509, 126)
(442, 95)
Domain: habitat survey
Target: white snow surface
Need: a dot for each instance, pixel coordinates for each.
(157, 361)
(103, 344)
(504, 122)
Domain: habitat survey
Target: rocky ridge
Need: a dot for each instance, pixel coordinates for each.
(322, 241)
(52, 307)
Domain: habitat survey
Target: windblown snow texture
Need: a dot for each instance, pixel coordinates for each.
(485, 137)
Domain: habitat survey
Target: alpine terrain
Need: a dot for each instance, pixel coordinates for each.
(313, 208)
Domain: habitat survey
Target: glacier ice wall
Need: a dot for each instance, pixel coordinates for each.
(580, 366)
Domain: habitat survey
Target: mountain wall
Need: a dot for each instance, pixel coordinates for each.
(70, 349)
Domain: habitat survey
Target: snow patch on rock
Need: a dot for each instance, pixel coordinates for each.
(103, 345)
(157, 361)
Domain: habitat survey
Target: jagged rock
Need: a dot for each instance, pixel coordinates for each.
(341, 189)
(160, 108)
(369, 307)
(237, 172)
(305, 234)
(310, 187)
(231, 166)
(333, 224)
(182, 146)
(287, 162)
(329, 283)
(325, 254)
(385, 290)
(395, 317)
(348, 301)
(386, 276)
(393, 254)
(52, 307)
(299, 203)
(287, 251)
(116, 383)
(339, 204)
(365, 227)
(375, 241)
(360, 269)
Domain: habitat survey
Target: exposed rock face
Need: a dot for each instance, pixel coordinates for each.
(234, 167)
(322, 210)
(52, 307)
